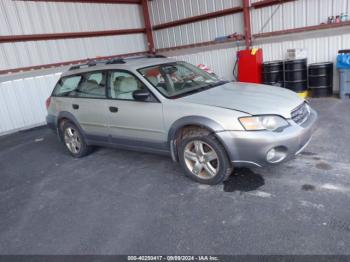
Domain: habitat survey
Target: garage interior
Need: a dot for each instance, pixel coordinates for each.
(122, 202)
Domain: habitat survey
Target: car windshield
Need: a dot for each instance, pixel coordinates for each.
(179, 79)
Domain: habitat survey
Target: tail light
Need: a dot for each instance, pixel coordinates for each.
(48, 101)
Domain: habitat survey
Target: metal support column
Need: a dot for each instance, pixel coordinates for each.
(247, 25)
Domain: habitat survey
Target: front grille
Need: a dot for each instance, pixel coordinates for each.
(301, 113)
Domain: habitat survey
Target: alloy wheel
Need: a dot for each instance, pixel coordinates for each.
(72, 140)
(201, 159)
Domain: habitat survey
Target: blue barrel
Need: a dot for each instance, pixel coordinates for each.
(344, 83)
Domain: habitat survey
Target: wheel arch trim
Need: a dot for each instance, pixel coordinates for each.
(199, 121)
(70, 117)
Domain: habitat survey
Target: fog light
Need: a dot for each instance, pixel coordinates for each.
(276, 155)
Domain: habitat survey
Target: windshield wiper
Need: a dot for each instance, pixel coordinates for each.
(200, 89)
(219, 83)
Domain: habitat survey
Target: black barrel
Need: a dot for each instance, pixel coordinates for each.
(273, 73)
(321, 79)
(295, 75)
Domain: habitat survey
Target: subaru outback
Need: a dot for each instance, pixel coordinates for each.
(171, 107)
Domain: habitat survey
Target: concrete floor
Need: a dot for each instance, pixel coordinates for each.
(120, 202)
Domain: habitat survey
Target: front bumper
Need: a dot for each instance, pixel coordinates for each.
(247, 148)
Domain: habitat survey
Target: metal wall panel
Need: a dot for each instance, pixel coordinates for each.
(30, 17)
(23, 102)
(296, 14)
(23, 54)
(22, 97)
(319, 49)
(163, 11)
(221, 61)
(199, 32)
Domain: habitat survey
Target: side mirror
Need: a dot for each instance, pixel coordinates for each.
(141, 95)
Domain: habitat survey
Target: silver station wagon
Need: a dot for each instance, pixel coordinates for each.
(165, 106)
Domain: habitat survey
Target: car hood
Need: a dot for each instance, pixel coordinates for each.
(250, 98)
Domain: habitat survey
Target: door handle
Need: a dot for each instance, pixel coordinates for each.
(113, 109)
(75, 106)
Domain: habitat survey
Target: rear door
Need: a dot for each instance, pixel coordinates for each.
(133, 122)
(90, 107)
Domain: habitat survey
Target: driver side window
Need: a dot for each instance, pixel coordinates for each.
(122, 85)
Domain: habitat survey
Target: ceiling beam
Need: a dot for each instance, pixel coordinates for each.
(265, 3)
(67, 63)
(302, 29)
(198, 18)
(148, 26)
(201, 44)
(55, 36)
(247, 24)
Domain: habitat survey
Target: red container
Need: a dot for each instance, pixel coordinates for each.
(250, 66)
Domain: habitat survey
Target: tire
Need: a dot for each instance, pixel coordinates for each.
(74, 141)
(204, 158)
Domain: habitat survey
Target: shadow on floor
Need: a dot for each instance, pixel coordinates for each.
(243, 180)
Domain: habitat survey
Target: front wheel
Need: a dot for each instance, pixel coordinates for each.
(204, 159)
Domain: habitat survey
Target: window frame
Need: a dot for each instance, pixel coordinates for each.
(158, 65)
(66, 77)
(83, 78)
(108, 89)
(108, 73)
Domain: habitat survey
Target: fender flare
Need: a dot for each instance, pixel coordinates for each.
(200, 121)
(70, 117)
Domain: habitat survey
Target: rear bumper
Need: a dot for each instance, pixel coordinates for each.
(249, 148)
(51, 122)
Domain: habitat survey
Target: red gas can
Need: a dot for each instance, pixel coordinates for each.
(250, 65)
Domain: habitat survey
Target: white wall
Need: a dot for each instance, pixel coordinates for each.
(24, 54)
(221, 61)
(295, 14)
(22, 102)
(163, 11)
(319, 48)
(321, 45)
(31, 17)
(23, 95)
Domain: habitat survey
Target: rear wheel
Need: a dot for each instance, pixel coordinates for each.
(204, 158)
(74, 141)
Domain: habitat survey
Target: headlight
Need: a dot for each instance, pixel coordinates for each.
(255, 123)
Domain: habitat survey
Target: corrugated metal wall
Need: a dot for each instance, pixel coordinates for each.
(23, 102)
(163, 11)
(221, 61)
(30, 17)
(296, 14)
(321, 45)
(22, 96)
(319, 49)
(23, 54)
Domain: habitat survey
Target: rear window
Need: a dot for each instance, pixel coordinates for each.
(67, 85)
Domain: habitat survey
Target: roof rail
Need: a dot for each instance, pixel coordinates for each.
(111, 61)
(115, 60)
(144, 56)
(87, 64)
(156, 56)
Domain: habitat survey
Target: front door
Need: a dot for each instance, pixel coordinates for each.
(134, 123)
